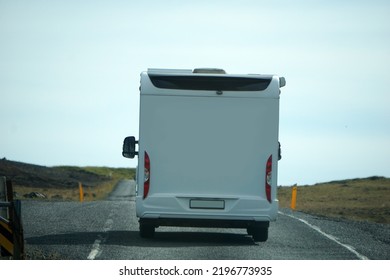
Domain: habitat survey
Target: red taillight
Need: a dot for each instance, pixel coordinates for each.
(268, 178)
(146, 174)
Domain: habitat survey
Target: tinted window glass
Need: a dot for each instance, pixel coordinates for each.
(210, 83)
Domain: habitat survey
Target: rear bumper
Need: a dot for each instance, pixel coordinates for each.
(211, 223)
(234, 211)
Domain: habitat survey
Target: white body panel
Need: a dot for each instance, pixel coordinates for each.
(208, 152)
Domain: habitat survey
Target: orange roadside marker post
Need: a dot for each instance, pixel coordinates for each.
(81, 192)
(294, 197)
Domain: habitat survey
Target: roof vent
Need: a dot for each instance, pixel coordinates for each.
(208, 71)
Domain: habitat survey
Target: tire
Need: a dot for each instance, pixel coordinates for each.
(259, 234)
(146, 231)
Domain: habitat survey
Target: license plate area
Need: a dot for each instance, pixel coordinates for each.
(207, 204)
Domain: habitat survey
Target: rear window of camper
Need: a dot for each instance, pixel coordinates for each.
(210, 83)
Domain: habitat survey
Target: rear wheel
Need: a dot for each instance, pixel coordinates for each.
(146, 231)
(259, 234)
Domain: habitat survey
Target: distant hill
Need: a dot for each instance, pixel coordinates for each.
(31, 175)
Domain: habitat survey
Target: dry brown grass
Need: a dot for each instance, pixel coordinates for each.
(91, 193)
(357, 199)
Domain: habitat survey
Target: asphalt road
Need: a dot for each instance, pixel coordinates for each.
(109, 230)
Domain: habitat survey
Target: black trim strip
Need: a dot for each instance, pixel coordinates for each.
(222, 83)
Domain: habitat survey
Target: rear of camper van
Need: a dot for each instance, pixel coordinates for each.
(208, 150)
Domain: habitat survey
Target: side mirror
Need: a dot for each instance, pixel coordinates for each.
(282, 82)
(129, 147)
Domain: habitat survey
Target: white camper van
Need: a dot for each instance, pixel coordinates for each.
(208, 150)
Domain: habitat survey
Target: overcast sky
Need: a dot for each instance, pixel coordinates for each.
(69, 76)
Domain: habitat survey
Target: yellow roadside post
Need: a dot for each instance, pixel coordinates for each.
(81, 192)
(294, 197)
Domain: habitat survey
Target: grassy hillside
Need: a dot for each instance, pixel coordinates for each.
(62, 182)
(365, 199)
(96, 190)
(109, 172)
(102, 189)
